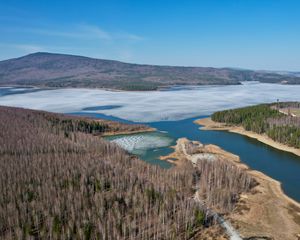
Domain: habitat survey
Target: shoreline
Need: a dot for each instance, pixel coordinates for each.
(264, 211)
(108, 134)
(209, 124)
(159, 88)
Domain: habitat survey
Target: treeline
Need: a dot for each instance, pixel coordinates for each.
(77, 186)
(94, 126)
(124, 84)
(265, 119)
(287, 105)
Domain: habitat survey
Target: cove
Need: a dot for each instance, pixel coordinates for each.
(280, 165)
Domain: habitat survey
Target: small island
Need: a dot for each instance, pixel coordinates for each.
(275, 124)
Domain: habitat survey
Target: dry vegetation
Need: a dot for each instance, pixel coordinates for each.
(218, 181)
(61, 183)
(226, 183)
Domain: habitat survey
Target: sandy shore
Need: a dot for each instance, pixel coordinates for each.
(209, 124)
(265, 211)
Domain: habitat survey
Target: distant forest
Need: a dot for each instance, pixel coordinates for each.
(59, 180)
(266, 119)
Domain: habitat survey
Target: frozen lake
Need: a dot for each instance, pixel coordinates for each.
(153, 105)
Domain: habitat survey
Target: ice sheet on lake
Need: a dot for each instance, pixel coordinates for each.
(155, 105)
(141, 142)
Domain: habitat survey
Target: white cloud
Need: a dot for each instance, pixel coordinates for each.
(128, 36)
(82, 31)
(94, 31)
(80, 39)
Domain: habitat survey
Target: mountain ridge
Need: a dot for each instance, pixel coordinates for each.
(44, 69)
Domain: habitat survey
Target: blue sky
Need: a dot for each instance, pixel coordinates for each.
(254, 34)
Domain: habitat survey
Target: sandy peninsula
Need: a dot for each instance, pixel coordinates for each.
(265, 212)
(209, 124)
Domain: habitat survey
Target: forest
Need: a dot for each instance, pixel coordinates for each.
(60, 180)
(266, 119)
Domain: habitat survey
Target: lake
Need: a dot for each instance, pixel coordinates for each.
(172, 113)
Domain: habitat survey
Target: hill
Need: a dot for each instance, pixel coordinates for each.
(60, 70)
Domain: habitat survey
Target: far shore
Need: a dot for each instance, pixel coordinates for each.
(209, 124)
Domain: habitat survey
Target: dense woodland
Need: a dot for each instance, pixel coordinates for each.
(59, 181)
(265, 119)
